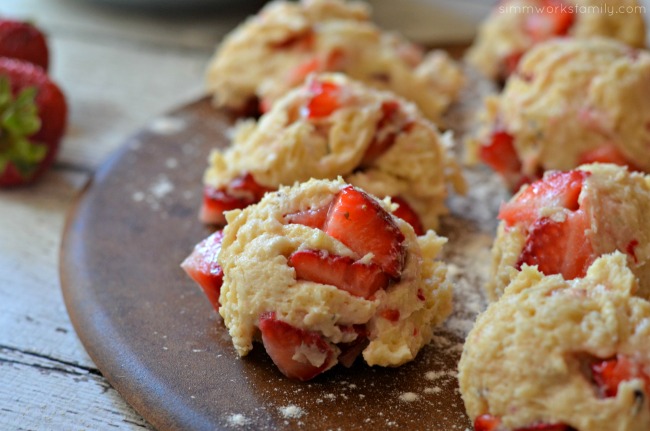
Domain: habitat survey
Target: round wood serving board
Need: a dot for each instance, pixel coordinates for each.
(155, 337)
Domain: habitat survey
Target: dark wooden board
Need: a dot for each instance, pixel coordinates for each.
(157, 340)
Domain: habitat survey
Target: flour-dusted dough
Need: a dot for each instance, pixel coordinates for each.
(272, 52)
(257, 280)
(527, 358)
(503, 34)
(570, 98)
(286, 146)
(617, 203)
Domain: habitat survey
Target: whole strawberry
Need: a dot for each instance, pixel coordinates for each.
(33, 115)
(23, 41)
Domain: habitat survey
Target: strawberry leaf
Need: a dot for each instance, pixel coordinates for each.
(18, 120)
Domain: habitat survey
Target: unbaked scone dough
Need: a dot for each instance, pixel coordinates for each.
(287, 145)
(505, 35)
(616, 204)
(256, 245)
(527, 360)
(573, 101)
(275, 50)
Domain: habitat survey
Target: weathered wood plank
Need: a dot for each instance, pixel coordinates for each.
(42, 394)
(33, 317)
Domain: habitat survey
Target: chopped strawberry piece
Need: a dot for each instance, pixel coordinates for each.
(313, 217)
(420, 295)
(500, 153)
(557, 189)
(360, 223)
(406, 213)
(631, 249)
(607, 153)
(390, 314)
(389, 126)
(301, 71)
(359, 279)
(559, 247)
(240, 193)
(324, 99)
(486, 423)
(264, 105)
(510, 63)
(610, 373)
(202, 267)
(553, 18)
(245, 185)
(298, 354)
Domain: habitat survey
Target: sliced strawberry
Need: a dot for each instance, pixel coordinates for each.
(301, 71)
(610, 373)
(390, 125)
(631, 249)
(202, 267)
(23, 41)
(299, 354)
(332, 62)
(557, 189)
(360, 223)
(240, 193)
(509, 65)
(500, 153)
(486, 423)
(607, 153)
(390, 314)
(313, 217)
(33, 116)
(552, 18)
(559, 247)
(408, 214)
(359, 279)
(324, 99)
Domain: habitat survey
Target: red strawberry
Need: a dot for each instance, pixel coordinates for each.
(23, 41)
(240, 193)
(559, 247)
(392, 122)
(203, 268)
(359, 222)
(557, 189)
(510, 64)
(313, 217)
(33, 115)
(500, 154)
(547, 427)
(357, 278)
(406, 213)
(610, 373)
(607, 153)
(486, 423)
(553, 18)
(299, 354)
(324, 99)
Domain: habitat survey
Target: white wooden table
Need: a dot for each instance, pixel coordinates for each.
(120, 69)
